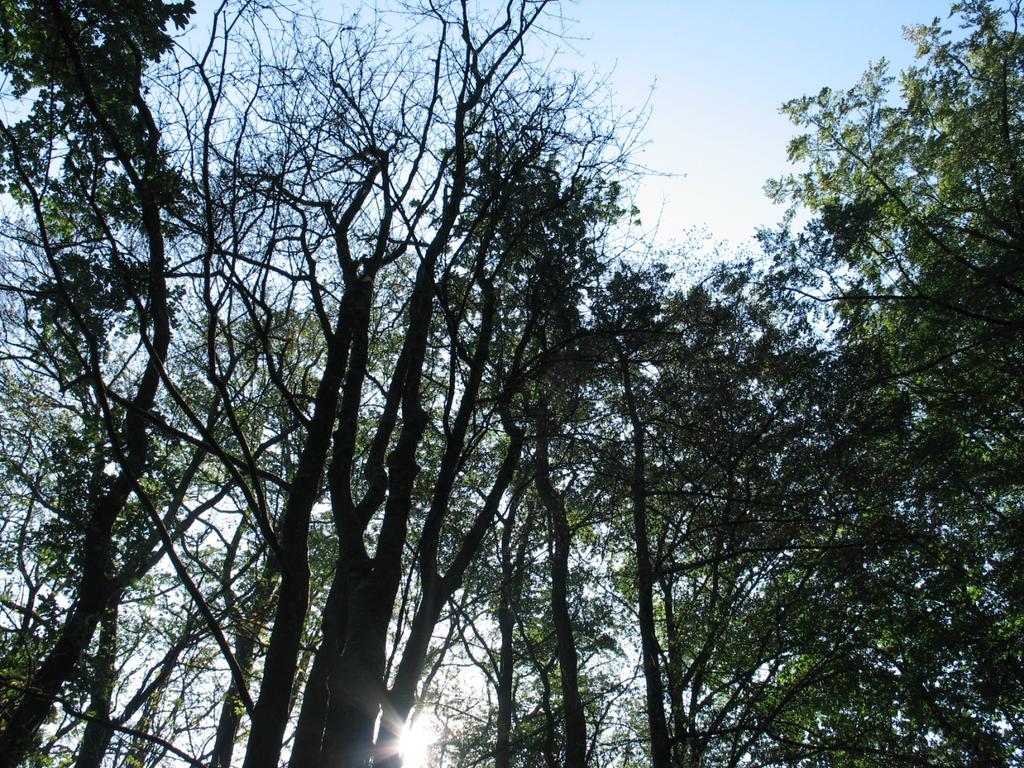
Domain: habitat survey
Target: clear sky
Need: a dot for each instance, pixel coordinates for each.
(720, 72)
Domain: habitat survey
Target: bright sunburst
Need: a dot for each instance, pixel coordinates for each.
(416, 742)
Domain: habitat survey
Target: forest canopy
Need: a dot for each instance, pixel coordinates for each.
(349, 421)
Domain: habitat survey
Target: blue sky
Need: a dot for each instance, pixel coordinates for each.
(720, 72)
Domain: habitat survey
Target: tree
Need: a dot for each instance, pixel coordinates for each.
(331, 403)
(722, 460)
(341, 230)
(84, 68)
(915, 240)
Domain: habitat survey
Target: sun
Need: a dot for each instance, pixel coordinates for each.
(416, 742)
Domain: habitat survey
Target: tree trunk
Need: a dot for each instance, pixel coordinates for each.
(95, 590)
(661, 755)
(98, 732)
(356, 684)
(245, 652)
(270, 716)
(511, 589)
(356, 679)
(402, 698)
(674, 672)
(437, 590)
(568, 661)
(309, 730)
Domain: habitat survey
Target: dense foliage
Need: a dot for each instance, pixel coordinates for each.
(337, 408)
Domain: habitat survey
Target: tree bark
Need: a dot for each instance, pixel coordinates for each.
(245, 652)
(568, 660)
(95, 591)
(98, 732)
(661, 755)
(356, 684)
(309, 730)
(270, 716)
(402, 697)
(511, 590)
(674, 673)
